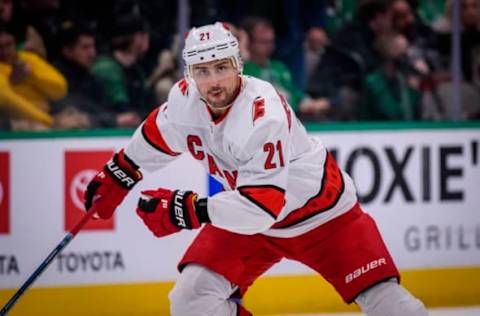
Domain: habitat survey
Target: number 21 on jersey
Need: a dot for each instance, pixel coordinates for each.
(204, 36)
(274, 155)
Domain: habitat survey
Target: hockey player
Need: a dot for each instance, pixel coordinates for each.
(284, 195)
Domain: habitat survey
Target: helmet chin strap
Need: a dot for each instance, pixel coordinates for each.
(216, 108)
(219, 107)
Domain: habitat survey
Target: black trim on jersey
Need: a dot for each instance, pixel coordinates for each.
(322, 185)
(268, 186)
(130, 161)
(320, 210)
(255, 201)
(151, 143)
(342, 190)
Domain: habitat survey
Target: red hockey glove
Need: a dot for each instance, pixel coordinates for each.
(165, 212)
(110, 186)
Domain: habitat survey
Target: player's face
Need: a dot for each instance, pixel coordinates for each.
(218, 81)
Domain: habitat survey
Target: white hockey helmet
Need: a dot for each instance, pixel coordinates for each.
(208, 43)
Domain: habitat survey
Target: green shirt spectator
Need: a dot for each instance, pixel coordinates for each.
(124, 86)
(261, 39)
(392, 92)
(278, 74)
(122, 77)
(338, 13)
(431, 11)
(110, 72)
(390, 99)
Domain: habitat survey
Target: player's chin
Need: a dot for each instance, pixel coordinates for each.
(218, 101)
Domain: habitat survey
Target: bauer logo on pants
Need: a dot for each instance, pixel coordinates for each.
(80, 168)
(4, 192)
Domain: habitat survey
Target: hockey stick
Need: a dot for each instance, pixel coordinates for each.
(65, 241)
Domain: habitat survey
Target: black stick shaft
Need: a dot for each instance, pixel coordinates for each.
(65, 241)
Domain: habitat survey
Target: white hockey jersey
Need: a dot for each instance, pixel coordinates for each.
(277, 180)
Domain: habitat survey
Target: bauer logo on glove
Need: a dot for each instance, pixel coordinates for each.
(126, 180)
(178, 204)
(110, 186)
(165, 212)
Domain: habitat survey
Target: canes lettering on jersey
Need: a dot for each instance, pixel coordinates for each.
(194, 145)
(231, 178)
(258, 108)
(212, 167)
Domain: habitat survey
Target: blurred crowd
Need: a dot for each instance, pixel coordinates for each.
(67, 64)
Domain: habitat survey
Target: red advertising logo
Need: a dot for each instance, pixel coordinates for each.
(4, 193)
(80, 168)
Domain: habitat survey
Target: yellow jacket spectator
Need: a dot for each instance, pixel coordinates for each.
(27, 84)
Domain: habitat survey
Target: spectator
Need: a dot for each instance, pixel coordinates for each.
(296, 18)
(422, 38)
(26, 35)
(261, 46)
(470, 39)
(431, 11)
(339, 12)
(27, 85)
(45, 16)
(160, 16)
(83, 107)
(315, 41)
(290, 20)
(392, 91)
(470, 14)
(403, 17)
(121, 75)
(438, 106)
(163, 76)
(243, 41)
(357, 37)
(339, 76)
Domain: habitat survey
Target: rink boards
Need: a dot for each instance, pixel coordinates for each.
(420, 183)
